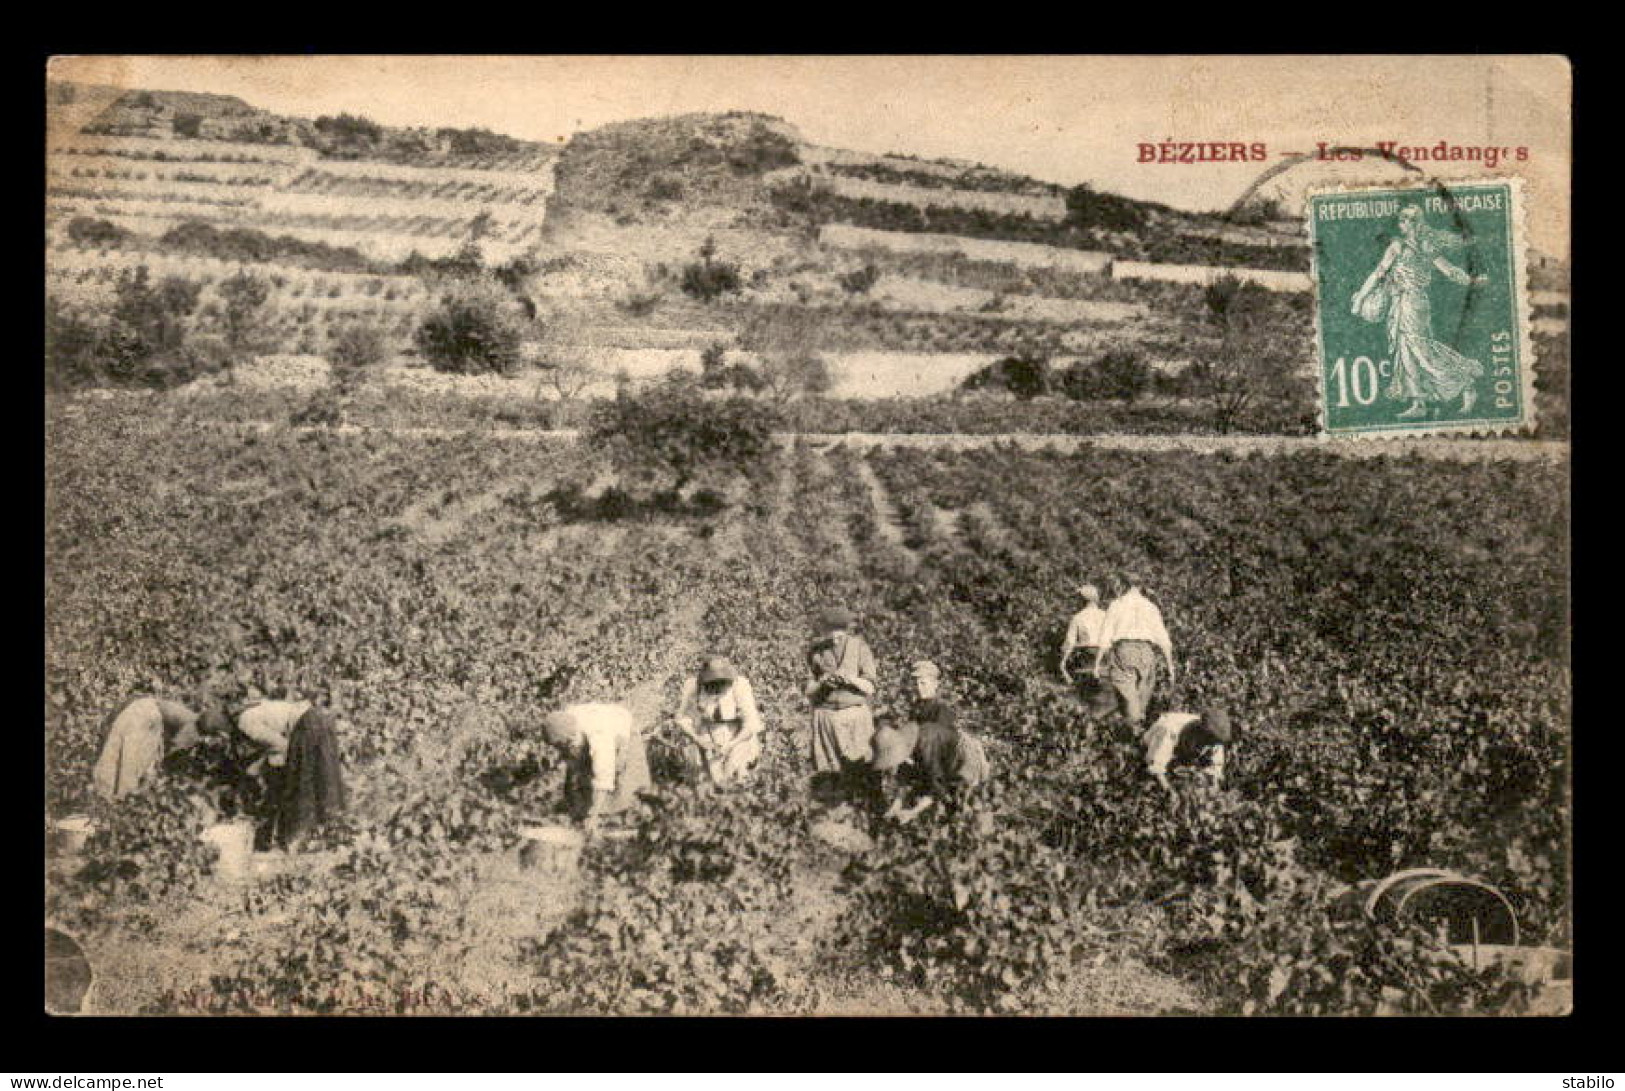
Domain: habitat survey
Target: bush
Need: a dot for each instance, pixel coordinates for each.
(859, 281)
(1120, 375)
(673, 436)
(764, 150)
(245, 296)
(471, 332)
(1102, 211)
(1026, 375)
(1257, 212)
(247, 244)
(358, 346)
(664, 189)
(347, 134)
(513, 273)
(73, 347)
(88, 231)
(145, 341)
(708, 279)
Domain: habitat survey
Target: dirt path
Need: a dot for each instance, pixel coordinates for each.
(818, 475)
(888, 523)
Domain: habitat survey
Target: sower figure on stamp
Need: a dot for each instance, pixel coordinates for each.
(936, 761)
(607, 766)
(1083, 641)
(1133, 639)
(842, 691)
(1188, 740)
(1425, 370)
(717, 713)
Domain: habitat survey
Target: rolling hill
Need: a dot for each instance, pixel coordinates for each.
(867, 253)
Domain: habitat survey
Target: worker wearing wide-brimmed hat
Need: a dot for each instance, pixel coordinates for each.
(841, 691)
(717, 712)
(936, 761)
(1190, 740)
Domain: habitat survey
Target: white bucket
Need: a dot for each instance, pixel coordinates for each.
(72, 832)
(235, 842)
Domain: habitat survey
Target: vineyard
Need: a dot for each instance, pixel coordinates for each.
(1389, 633)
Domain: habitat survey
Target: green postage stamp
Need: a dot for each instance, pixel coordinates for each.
(1421, 309)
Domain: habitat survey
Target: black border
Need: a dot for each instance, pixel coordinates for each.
(1572, 1044)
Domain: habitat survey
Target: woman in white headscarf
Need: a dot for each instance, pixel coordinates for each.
(1425, 370)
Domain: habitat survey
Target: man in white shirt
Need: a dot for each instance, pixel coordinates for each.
(1131, 637)
(1194, 740)
(607, 766)
(717, 712)
(1082, 632)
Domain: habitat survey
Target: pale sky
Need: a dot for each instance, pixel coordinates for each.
(1060, 118)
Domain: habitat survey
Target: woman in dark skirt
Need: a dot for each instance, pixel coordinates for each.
(311, 793)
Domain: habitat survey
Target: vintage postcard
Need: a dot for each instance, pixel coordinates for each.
(807, 535)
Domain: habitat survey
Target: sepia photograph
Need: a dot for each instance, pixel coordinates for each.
(851, 535)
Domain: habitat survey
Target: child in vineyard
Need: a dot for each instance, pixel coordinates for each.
(1083, 640)
(1130, 637)
(1190, 740)
(937, 762)
(717, 713)
(841, 691)
(606, 763)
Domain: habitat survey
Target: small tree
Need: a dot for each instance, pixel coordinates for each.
(785, 341)
(472, 331)
(788, 375)
(1223, 297)
(149, 322)
(1251, 367)
(714, 366)
(569, 376)
(355, 349)
(1124, 374)
(245, 296)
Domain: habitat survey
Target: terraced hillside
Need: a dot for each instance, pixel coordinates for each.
(855, 253)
